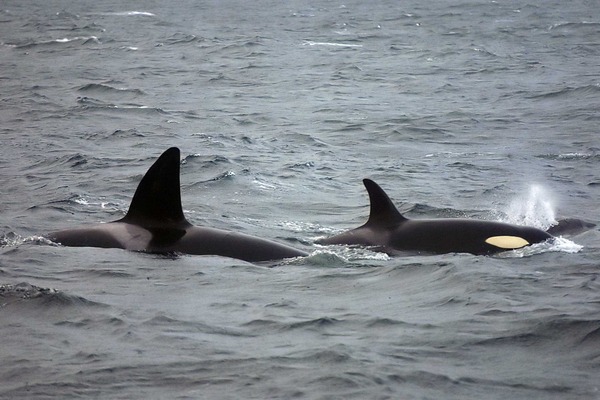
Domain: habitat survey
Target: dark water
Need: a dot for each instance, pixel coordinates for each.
(472, 109)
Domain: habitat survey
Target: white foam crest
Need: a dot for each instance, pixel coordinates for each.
(565, 245)
(134, 13)
(39, 240)
(323, 258)
(297, 226)
(311, 43)
(558, 244)
(534, 209)
(82, 201)
(105, 205)
(264, 185)
(350, 253)
(76, 38)
(12, 239)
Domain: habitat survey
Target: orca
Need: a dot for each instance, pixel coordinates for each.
(388, 230)
(155, 223)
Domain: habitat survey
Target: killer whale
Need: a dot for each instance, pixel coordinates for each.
(388, 230)
(155, 223)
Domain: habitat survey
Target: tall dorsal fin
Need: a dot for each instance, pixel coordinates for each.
(157, 199)
(383, 211)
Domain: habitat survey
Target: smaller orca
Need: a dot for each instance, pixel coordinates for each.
(390, 231)
(155, 223)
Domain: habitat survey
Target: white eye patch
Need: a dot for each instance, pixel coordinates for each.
(507, 242)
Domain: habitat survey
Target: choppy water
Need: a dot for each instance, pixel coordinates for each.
(473, 109)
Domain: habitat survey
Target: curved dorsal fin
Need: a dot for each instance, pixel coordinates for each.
(157, 199)
(383, 211)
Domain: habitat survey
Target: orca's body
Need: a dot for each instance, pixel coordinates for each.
(155, 223)
(390, 231)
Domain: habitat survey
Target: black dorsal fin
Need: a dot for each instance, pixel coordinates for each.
(157, 199)
(383, 211)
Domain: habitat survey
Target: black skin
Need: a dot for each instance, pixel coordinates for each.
(155, 223)
(390, 231)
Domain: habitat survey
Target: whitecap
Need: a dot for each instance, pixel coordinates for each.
(83, 38)
(558, 244)
(134, 13)
(311, 43)
(565, 245)
(348, 254)
(82, 201)
(264, 185)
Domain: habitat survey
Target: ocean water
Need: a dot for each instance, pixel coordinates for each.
(479, 109)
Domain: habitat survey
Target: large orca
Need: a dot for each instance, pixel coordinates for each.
(390, 231)
(155, 223)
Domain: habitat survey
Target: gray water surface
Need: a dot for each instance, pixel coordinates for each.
(457, 109)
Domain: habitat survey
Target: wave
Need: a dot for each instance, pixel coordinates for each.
(51, 42)
(569, 93)
(342, 256)
(557, 331)
(336, 354)
(330, 325)
(12, 240)
(313, 324)
(223, 176)
(558, 244)
(572, 156)
(458, 387)
(11, 295)
(132, 14)
(182, 38)
(572, 26)
(104, 88)
(92, 104)
(102, 273)
(388, 323)
(205, 160)
(331, 44)
(71, 161)
(177, 326)
(268, 326)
